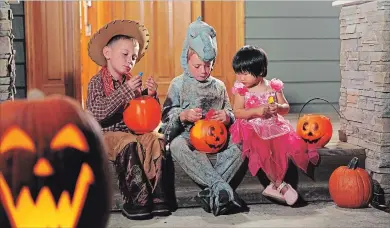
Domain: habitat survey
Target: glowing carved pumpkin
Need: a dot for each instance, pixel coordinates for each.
(143, 114)
(208, 136)
(350, 186)
(53, 167)
(315, 129)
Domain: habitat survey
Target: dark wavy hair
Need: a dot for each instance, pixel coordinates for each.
(251, 59)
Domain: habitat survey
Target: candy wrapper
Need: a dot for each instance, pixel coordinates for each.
(271, 100)
(209, 114)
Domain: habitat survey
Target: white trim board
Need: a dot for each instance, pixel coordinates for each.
(348, 2)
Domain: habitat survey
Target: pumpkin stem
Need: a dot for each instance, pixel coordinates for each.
(353, 163)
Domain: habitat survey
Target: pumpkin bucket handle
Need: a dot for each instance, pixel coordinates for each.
(317, 98)
(353, 163)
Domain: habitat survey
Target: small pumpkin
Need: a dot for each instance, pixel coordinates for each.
(315, 129)
(52, 163)
(208, 136)
(350, 186)
(142, 115)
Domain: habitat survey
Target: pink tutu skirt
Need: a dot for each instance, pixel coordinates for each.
(269, 144)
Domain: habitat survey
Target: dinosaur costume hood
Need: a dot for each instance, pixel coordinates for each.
(201, 38)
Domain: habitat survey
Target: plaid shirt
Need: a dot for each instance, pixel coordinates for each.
(108, 111)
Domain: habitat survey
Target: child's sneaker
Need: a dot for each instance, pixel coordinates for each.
(272, 192)
(134, 212)
(291, 196)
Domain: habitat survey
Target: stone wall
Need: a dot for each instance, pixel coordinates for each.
(7, 60)
(365, 83)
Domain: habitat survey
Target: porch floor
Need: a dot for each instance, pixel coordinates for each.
(324, 214)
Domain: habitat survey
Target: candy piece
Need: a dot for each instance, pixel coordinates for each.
(140, 74)
(209, 114)
(271, 100)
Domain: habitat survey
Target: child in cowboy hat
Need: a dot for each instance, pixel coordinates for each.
(138, 159)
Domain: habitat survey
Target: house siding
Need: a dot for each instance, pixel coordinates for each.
(302, 40)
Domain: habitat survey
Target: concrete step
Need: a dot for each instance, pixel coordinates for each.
(311, 187)
(251, 194)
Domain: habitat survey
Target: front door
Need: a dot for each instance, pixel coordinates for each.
(167, 22)
(53, 47)
(58, 32)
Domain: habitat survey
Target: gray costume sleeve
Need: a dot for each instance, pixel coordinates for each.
(227, 107)
(171, 124)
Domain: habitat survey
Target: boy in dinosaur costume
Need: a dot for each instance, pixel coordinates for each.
(190, 96)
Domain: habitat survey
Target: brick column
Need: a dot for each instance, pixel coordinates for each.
(365, 83)
(7, 60)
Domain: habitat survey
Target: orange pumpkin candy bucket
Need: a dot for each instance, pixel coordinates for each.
(208, 136)
(142, 115)
(315, 129)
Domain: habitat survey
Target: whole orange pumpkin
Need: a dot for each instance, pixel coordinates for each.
(143, 114)
(315, 129)
(52, 162)
(350, 186)
(208, 136)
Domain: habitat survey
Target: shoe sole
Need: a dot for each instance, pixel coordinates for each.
(161, 213)
(137, 216)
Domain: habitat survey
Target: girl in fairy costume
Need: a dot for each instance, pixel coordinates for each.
(268, 140)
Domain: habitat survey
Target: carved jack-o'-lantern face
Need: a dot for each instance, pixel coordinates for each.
(315, 129)
(216, 136)
(208, 136)
(52, 166)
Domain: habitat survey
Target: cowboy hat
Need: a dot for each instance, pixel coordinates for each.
(117, 27)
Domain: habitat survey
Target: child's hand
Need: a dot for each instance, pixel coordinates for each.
(135, 83)
(152, 86)
(262, 111)
(191, 115)
(221, 115)
(273, 108)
